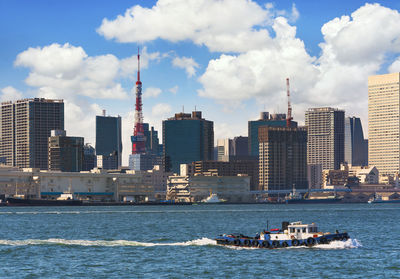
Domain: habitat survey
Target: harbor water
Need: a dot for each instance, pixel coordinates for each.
(177, 242)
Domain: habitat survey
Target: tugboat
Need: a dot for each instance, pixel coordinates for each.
(291, 234)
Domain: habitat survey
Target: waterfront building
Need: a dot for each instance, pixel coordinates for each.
(97, 185)
(266, 120)
(384, 123)
(283, 158)
(108, 137)
(199, 187)
(25, 128)
(355, 151)
(187, 138)
(89, 157)
(325, 143)
(232, 168)
(65, 153)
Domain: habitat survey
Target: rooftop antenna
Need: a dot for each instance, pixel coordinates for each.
(183, 108)
(289, 109)
(195, 109)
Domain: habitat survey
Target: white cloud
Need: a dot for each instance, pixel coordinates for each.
(9, 93)
(174, 89)
(65, 70)
(151, 92)
(395, 66)
(226, 25)
(187, 63)
(161, 110)
(338, 77)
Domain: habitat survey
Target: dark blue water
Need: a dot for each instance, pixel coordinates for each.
(176, 242)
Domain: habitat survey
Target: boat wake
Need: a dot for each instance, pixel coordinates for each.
(103, 243)
(351, 243)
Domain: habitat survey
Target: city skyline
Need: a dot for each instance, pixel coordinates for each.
(90, 61)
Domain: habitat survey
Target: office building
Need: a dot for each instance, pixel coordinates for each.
(108, 162)
(108, 137)
(224, 149)
(384, 123)
(89, 157)
(25, 130)
(187, 138)
(266, 120)
(232, 168)
(354, 143)
(325, 143)
(283, 158)
(240, 146)
(65, 153)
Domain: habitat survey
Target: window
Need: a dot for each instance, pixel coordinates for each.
(304, 230)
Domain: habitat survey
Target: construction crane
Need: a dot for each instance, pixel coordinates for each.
(289, 108)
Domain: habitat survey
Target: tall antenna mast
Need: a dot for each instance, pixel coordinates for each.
(138, 139)
(289, 108)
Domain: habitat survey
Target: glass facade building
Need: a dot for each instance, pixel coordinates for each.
(108, 137)
(187, 138)
(355, 151)
(66, 153)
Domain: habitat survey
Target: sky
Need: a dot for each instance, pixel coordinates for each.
(227, 58)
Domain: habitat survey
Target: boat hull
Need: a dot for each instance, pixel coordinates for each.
(41, 202)
(313, 201)
(258, 243)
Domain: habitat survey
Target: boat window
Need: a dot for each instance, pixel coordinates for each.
(292, 230)
(298, 230)
(304, 230)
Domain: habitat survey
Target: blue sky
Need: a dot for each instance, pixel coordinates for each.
(228, 58)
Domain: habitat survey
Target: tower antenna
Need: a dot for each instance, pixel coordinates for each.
(138, 139)
(289, 108)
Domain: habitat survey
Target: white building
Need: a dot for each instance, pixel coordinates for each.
(96, 185)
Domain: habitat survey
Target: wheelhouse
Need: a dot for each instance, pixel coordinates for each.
(295, 228)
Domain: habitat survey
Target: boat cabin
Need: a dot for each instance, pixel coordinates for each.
(297, 229)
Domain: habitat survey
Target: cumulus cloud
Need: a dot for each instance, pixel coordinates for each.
(161, 110)
(350, 53)
(9, 93)
(187, 63)
(62, 70)
(151, 92)
(224, 25)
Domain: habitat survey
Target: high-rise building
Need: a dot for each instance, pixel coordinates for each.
(283, 158)
(89, 157)
(187, 138)
(224, 149)
(240, 146)
(108, 137)
(25, 130)
(354, 144)
(384, 123)
(325, 143)
(65, 153)
(266, 120)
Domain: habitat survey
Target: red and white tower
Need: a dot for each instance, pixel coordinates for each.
(138, 139)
